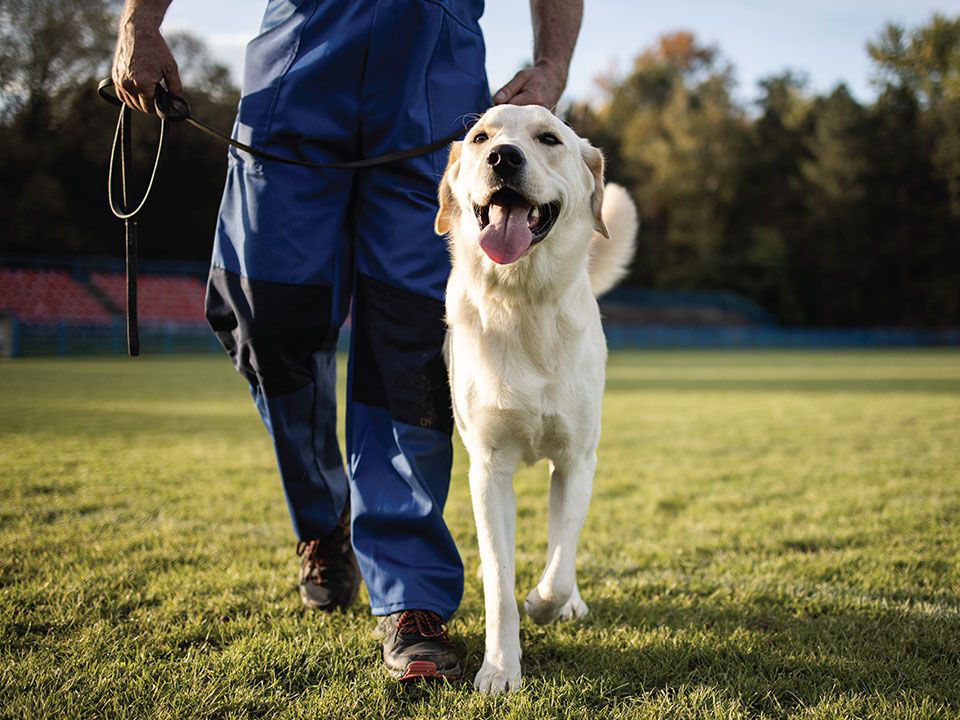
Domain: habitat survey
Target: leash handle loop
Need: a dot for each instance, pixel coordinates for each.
(102, 89)
(124, 128)
(170, 107)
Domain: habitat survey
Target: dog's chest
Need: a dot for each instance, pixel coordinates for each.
(535, 431)
(513, 389)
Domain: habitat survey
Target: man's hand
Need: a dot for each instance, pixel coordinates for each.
(556, 24)
(143, 58)
(537, 85)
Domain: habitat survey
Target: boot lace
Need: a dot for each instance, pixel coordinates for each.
(321, 556)
(423, 623)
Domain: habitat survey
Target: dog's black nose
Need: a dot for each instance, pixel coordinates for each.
(506, 161)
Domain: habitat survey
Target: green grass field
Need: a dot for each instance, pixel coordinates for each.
(772, 535)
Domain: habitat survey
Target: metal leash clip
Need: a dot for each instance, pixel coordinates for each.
(168, 106)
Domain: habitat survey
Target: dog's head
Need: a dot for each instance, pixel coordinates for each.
(521, 188)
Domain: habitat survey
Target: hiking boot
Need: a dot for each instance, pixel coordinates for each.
(416, 645)
(329, 574)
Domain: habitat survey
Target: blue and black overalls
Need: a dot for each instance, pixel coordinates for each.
(330, 81)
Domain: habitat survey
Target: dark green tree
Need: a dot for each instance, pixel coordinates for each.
(55, 136)
(823, 210)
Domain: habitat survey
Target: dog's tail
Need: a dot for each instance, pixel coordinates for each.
(610, 257)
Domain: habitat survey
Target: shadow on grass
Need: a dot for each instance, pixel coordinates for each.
(771, 658)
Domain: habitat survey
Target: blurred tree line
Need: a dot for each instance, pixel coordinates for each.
(820, 208)
(55, 135)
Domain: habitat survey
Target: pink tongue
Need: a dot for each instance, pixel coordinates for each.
(508, 236)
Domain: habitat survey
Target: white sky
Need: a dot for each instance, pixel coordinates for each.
(825, 38)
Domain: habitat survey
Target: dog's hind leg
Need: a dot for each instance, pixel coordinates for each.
(557, 595)
(495, 512)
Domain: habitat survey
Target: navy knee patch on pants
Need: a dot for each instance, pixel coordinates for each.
(270, 329)
(398, 355)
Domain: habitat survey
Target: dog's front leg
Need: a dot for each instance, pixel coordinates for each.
(495, 512)
(557, 594)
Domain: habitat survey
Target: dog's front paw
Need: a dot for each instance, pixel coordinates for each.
(494, 680)
(541, 611)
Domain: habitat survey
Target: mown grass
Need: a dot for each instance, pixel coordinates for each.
(772, 535)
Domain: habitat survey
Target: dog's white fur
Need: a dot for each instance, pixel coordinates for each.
(526, 354)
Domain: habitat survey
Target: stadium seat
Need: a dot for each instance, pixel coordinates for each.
(37, 296)
(161, 298)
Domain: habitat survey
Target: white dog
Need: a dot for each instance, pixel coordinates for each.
(534, 238)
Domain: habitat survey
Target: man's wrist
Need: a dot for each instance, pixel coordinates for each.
(141, 21)
(142, 16)
(557, 69)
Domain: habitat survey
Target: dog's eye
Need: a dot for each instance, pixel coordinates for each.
(549, 139)
(480, 138)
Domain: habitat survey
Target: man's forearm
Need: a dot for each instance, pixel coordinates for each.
(144, 12)
(143, 58)
(556, 24)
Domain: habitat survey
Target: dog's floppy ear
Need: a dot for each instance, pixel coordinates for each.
(448, 204)
(594, 161)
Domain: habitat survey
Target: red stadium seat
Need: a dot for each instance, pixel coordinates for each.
(48, 297)
(161, 298)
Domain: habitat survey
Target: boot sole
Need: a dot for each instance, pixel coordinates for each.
(425, 670)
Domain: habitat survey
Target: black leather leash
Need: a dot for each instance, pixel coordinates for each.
(174, 108)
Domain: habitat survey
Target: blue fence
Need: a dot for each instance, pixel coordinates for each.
(65, 339)
(29, 339)
(670, 336)
(728, 301)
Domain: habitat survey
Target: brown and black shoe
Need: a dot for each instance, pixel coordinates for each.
(329, 574)
(416, 645)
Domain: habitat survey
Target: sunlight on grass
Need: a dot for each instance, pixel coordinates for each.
(772, 535)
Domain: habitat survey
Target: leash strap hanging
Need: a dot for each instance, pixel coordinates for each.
(130, 229)
(124, 210)
(123, 137)
(174, 108)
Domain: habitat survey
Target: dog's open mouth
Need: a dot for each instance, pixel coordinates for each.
(510, 224)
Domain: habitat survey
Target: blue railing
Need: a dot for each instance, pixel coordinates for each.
(29, 339)
(65, 339)
(672, 336)
(46, 339)
(692, 299)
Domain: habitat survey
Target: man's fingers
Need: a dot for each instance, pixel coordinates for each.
(146, 92)
(131, 94)
(140, 103)
(171, 76)
(531, 86)
(531, 93)
(512, 88)
(121, 95)
(528, 97)
(128, 98)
